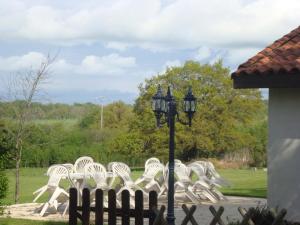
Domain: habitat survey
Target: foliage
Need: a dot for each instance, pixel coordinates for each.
(221, 113)
(227, 120)
(5, 145)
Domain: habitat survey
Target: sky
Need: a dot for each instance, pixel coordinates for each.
(107, 48)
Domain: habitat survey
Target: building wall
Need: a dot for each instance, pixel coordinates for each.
(284, 151)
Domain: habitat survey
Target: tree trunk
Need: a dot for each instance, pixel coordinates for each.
(17, 187)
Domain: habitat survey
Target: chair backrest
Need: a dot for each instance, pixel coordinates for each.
(198, 168)
(153, 169)
(182, 172)
(81, 162)
(151, 160)
(96, 171)
(209, 168)
(59, 172)
(69, 166)
(211, 171)
(122, 170)
(109, 166)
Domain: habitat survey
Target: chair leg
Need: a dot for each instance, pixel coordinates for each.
(38, 190)
(44, 189)
(45, 207)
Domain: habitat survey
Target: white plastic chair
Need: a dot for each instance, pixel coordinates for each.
(150, 177)
(183, 183)
(151, 160)
(69, 166)
(123, 171)
(208, 179)
(57, 193)
(81, 162)
(98, 173)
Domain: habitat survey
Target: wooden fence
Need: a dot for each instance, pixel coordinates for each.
(125, 212)
(152, 214)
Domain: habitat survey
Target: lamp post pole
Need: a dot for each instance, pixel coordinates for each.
(166, 105)
(171, 122)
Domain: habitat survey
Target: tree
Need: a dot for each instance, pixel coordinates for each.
(24, 87)
(221, 111)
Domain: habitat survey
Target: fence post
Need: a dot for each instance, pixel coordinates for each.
(139, 208)
(86, 207)
(152, 206)
(73, 207)
(99, 207)
(112, 216)
(125, 207)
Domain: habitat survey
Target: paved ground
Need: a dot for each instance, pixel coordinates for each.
(230, 214)
(202, 214)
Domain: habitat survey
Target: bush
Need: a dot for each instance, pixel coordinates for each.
(3, 189)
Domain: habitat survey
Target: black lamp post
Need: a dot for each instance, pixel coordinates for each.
(166, 106)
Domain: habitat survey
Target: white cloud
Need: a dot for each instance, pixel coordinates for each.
(154, 24)
(112, 64)
(31, 60)
(203, 53)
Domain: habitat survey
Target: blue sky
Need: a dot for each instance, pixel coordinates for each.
(107, 48)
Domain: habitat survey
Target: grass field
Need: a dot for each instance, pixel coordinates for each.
(10, 221)
(243, 183)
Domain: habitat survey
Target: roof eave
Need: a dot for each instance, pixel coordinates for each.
(267, 81)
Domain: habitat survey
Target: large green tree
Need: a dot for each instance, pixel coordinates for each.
(221, 112)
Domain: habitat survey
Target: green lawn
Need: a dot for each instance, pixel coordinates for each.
(244, 183)
(10, 221)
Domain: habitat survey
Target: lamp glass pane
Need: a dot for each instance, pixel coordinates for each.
(163, 105)
(193, 106)
(157, 105)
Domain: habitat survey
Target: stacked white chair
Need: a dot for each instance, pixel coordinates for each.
(152, 177)
(98, 173)
(81, 162)
(57, 193)
(208, 180)
(123, 171)
(69, 167)
(183, 182)
(151, 160)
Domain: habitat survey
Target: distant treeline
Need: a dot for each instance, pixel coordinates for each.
(52, 111)
(226, 121)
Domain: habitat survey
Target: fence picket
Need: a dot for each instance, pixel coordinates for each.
(112, 215)
(73, 207)
(139, 208)
(125, 207)
(152, 206)
(99, 207)
(86, 207)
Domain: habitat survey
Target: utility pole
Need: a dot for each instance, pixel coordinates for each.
(100, 99)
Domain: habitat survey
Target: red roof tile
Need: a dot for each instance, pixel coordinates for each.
(280, 58)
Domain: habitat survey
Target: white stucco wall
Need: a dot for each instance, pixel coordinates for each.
(284, 151)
